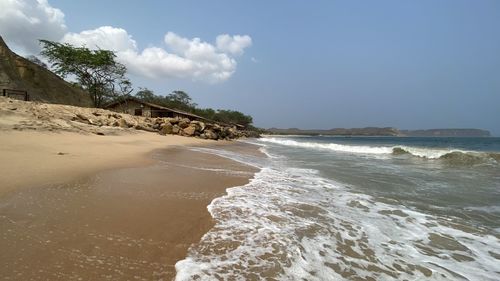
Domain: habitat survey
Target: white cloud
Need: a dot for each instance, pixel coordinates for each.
(23, 22)
(181, 57)
(233, 44)
(104, 37)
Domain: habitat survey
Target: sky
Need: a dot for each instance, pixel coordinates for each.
(289, 63)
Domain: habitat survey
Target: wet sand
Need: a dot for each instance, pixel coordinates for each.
(123, 224)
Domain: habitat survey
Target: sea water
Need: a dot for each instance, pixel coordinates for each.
(357, 208)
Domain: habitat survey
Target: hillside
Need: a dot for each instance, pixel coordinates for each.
(387, 131)
(369, 131)
(446, 133)
(42, 85)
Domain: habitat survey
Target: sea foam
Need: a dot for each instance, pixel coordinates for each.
(290, 223)
(455, 155)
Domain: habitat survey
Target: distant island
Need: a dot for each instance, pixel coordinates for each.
(386, 131)
(447, 133)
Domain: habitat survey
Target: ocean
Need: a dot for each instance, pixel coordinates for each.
(357, 208)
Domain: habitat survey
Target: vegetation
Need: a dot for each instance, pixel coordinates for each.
(96, 71)
(182, 101)
(36, 60)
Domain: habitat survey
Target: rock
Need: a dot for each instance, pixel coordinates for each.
(189, 131)
(122, 123)
(200, 126)
(166, 128)
(172, 121)
(184, 123)
(231, 131)
(144, 128)
(217, 128)
(176, 129)
(82, 117)
(210, 134)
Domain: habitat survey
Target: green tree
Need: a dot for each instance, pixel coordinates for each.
(148, 95)
(233, 117)
(96, 71)
(180, 100)
(36, 60)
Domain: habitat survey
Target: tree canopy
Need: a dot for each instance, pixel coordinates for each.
(96, 71)
(182, 101)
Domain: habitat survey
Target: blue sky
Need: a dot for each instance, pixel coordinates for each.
(323, 64)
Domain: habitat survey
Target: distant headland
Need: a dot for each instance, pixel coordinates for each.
(386, 131)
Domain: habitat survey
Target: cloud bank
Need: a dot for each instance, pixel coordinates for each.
(180, 57)
(23, 22)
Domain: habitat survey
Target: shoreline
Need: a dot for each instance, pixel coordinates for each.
(133, 213)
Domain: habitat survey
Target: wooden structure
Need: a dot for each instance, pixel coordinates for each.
(137, 107)
(16, 94)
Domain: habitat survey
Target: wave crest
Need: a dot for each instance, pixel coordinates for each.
(451, 156)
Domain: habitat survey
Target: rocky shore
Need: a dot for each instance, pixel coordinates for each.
(22, 115)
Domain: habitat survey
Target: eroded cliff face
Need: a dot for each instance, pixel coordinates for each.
(41, 84)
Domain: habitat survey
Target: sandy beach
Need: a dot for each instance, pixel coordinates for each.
(90, 207)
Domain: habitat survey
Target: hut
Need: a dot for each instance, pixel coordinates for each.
(133, 106)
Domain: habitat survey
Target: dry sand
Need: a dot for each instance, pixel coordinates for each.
(29, 158)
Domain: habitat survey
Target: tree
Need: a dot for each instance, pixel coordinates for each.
(37, 61)
(95, 70)
(233, 117)
(146, 95)
(180, 100)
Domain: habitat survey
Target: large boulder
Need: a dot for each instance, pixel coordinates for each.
(122, 123)
(144, 127)
(166, 128)
(172, 121)
(232, 132)
(184, 123)
(200, 126)
(176, 129)
(189, 131)
(209, 134)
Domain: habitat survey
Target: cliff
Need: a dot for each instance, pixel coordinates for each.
(18, 73)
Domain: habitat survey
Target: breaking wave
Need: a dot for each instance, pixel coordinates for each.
(291, 223)
(452, 156)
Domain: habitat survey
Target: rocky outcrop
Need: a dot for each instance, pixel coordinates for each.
(21, 115)
(18, 73)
